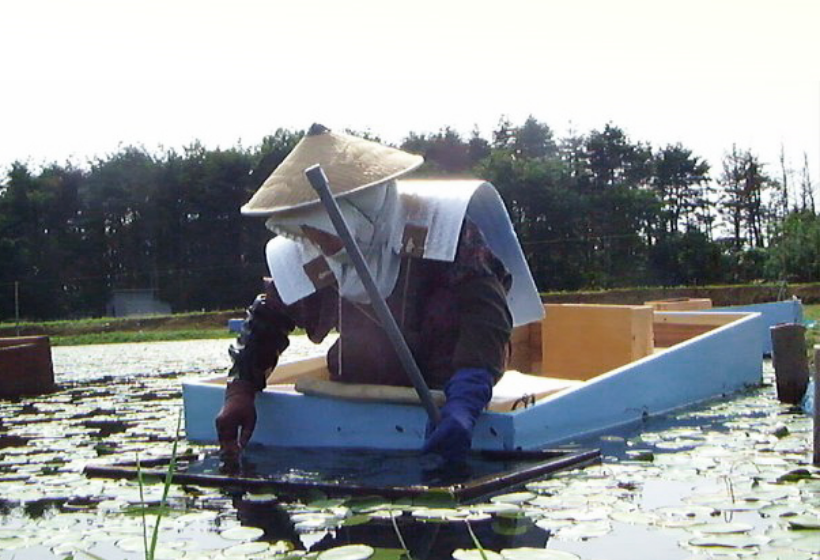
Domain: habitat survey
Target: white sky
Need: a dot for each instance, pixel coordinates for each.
(79, 78)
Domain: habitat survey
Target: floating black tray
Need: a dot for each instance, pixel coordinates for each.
(390, 474)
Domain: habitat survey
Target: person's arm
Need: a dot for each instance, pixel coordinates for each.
(262, 339)
(480, 283)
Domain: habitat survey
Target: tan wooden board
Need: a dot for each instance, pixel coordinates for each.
(680, 304)
(581, 341)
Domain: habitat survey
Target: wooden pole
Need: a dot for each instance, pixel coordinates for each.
(17, 307)
(318, 180)
(790, 360)
(816, 412)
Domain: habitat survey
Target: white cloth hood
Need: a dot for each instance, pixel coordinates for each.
(435, 209)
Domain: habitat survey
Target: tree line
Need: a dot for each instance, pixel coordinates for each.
(592, 210)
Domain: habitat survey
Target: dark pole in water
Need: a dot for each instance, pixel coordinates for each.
(318, 181)
(790, 360)
(816, 457)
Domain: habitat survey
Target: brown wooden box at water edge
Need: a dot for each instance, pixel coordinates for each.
(25, 366)
(580, 341)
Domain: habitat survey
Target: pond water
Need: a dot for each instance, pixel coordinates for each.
(729, 479)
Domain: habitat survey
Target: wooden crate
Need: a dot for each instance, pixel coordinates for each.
(581, 341)
(25, 366)
(681, 304)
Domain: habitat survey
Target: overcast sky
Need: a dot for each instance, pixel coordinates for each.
(79, 78)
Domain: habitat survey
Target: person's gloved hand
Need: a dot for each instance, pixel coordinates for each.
(237, 419)
(468, 391)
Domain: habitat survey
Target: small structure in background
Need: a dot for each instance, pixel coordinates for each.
(126, 303)
(25, 366)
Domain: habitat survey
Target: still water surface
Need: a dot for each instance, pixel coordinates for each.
(705, 483)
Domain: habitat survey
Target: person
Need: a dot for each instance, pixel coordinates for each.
(431, 262)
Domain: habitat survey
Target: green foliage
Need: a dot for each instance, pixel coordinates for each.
(794, 254)
(594, 210)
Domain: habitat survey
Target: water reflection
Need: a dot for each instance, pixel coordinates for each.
(424, 540)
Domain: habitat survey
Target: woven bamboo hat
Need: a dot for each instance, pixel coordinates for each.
(351, 164)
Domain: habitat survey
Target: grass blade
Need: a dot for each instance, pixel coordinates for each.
(142, 508)
(169, 477)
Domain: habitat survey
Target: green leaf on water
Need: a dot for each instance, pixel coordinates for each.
(804, 522)
(354, 520)
(347, 552)
(528, 553)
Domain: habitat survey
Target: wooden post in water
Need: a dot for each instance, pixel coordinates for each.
(790, 360)
(816, 414)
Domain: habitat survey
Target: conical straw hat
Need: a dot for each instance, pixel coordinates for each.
(350, 163)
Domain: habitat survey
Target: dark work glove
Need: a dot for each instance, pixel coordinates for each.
(237, 419)
(468, 391)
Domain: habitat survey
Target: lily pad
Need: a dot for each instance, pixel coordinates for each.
(721, 528)
(513, 498)
(728, 541)
(528, 553)
(810, 522)
(347, 552)
(246, 549)
(807, 544)
(783, 554)
(242, 533)
(475, 554)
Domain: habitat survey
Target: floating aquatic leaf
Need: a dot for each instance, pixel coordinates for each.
(196, 517)
(242, 533)
(583, 531)
(358, 519)
(721, 528)
(596, 514)
(494, 508)
(811, 522)
(514, 498)
(437, 513)
(529, 553)
(260, 498)
(365, 503)
(475, 554)
(131, 544)
(783, 554)
(329, 503)
(728, 541)
(690, 512)
(245, 549)
(386, 513)
(809, 543)
(348, 552)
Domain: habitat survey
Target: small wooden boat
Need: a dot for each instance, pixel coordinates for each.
(583, 370)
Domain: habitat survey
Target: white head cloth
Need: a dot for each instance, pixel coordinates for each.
(374, 218)
(439, 207)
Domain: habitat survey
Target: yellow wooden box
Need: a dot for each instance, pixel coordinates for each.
(681, 304)
(580, 341)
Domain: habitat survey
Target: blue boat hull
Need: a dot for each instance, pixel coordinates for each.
(719, 362)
